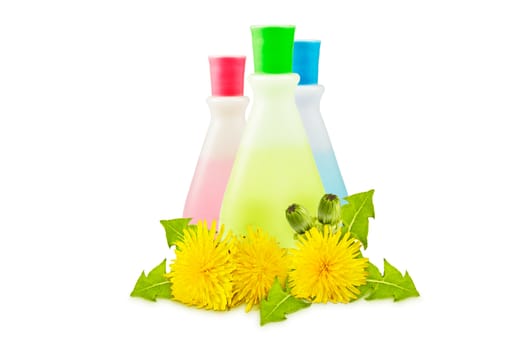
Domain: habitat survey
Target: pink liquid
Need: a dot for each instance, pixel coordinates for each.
(206, 193)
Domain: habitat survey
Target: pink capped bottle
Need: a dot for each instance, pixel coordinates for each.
(227, 108)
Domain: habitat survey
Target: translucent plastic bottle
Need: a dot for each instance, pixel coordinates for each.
(308, 96)
(274, 166)
(227, 106)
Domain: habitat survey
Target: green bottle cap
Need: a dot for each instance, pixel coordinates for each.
(272, 48)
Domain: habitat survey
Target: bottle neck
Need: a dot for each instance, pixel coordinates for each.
(309, 95)
(276, 87)
(228, 107)
(225, 128)
(274, 119)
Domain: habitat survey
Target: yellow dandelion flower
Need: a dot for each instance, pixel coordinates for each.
(326, 267)
(258, 259)
(201, 273)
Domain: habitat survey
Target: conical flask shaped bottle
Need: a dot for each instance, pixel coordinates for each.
(308, 96)
(274, 166)
(227, 107)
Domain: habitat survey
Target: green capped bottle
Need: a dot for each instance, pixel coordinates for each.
(274, 165)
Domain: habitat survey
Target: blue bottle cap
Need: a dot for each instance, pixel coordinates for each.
(305, 60)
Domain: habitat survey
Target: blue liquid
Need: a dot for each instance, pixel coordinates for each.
(330, 173)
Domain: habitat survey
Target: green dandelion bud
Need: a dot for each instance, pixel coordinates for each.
(299, 218)
(329, 210)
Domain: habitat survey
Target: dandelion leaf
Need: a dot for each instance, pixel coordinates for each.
(356, 213)
(154, 285)
(174, 230)
(392, 284)
(278, 304)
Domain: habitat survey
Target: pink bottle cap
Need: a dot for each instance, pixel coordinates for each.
(227, 75)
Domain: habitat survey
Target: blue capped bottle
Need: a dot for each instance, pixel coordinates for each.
(308, 95)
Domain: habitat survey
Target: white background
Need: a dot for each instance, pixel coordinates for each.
(103, 113)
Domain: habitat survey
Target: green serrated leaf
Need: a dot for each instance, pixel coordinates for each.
(278, 304)
(356, 214)
(154, 285)
(392, 284)
(174, 230)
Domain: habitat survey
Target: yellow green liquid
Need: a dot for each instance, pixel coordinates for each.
(264, 182)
